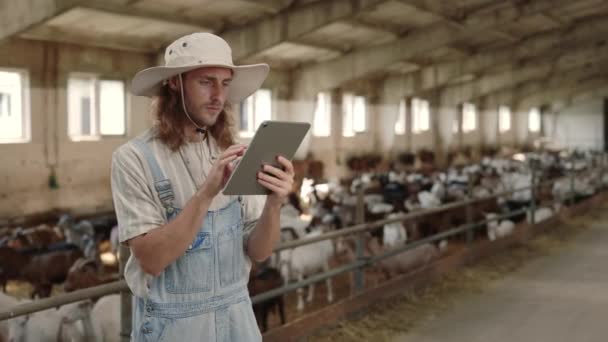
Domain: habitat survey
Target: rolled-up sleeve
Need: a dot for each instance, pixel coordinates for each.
(252, 207)
(137, 211)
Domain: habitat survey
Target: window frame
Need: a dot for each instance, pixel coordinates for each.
(501, 112)
(463, 111)
(416, 116)
(328, 116)
(346, 105)
(249, 133)
(26, 119)
(96, 135)
(540, 120)
(400, 127)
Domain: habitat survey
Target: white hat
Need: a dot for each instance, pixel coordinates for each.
(195, 51)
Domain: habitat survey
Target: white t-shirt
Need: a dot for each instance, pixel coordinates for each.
(137, 205)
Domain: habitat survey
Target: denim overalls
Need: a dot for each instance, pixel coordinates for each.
(202, 296)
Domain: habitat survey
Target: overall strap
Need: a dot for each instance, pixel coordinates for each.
(162, 184)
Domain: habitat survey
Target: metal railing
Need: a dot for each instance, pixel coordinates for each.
(357, 266)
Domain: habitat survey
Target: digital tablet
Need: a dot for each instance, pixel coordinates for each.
(271, 139)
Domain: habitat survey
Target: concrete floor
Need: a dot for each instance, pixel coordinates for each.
(562, 297)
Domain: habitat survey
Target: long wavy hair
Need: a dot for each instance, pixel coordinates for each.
(170, 119)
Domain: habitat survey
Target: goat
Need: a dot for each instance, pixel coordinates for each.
(54, 325)
(83, 274)
(6, 301)
(497, 230)
(406, 261)
(260, 281)
(41, 268)
(305, 260)
(106, 319)
(394, 233)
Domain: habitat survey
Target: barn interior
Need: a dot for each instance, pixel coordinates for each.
(414, 106)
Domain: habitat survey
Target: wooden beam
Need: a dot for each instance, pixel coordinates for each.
(550, 44)
(291, 24)
(17, 16)
(167, 16)
(363, 62)
(433, 10)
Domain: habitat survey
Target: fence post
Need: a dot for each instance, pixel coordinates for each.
(571, 181)
(469, 210)
(533, 200)
(126, 300)
(601, 183)
(360, 218)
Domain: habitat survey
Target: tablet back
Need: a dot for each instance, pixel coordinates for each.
(272, 138)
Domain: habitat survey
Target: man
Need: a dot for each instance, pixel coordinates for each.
(190, 244)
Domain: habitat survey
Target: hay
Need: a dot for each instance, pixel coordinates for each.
(400, 314)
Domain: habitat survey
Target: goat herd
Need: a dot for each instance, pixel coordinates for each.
(83, 254)
(389, 192)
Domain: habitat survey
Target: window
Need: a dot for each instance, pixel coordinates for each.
(95, 107)
(254, 110)
(534, 120)
(421, 115)
(354, 114)
(400, 124)
(504, 119)
(322, 118)
(14, 106)
(112, 107)
(469, 117)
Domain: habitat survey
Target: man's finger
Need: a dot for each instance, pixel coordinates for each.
(234, 152)
(287, 164)
(275, 171)
(227, 160)
(271, 179)
(270, 187)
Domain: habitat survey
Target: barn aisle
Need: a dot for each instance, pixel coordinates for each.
(559, 297)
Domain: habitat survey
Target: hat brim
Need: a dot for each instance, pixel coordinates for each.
(246, 79)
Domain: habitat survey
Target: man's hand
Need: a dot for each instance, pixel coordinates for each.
(278, 181)
(221, 170)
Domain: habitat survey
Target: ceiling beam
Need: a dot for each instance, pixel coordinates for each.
(117, 41)
(489, 84)
(385, 27)
(17, 16)
(272, 6)
(291, 24)
(549, 43)
(515, 91)
(358, 64)
(341, 48)
(561, 92)
(167, 16)
(425, 6)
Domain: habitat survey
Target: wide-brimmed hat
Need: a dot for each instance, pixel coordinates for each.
(199, 50)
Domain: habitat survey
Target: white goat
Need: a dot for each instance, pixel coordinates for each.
(542, 214)
(306, 260)
(394, 233)
(428, 200)
(70, 323)
(497, 230)
(106, 318)
(290, 217)
(6, 302)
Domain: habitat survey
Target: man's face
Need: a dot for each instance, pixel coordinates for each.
(206, 93)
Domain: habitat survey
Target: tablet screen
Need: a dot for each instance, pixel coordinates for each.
(271, 139)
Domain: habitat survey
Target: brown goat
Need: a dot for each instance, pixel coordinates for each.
(41, 268)
(83, 274)
(263, 280)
